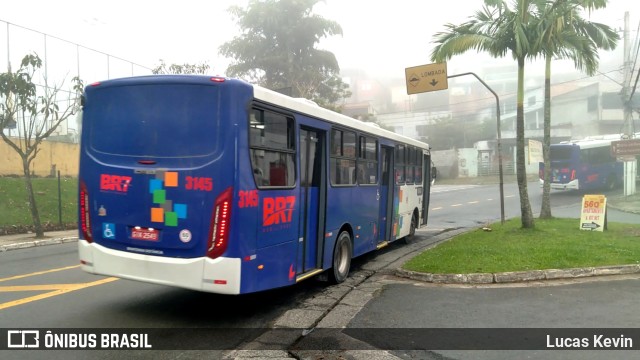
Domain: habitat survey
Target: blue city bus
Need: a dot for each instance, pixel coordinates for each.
(217, 185)
(584, 165)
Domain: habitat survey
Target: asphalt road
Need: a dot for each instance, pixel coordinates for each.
(406, 314)
(593, 306)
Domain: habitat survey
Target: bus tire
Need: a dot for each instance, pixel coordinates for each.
(611, 182)
(342, 253)
(412, 229)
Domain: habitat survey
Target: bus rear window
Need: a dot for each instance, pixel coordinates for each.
(561, 152)
(172, 120)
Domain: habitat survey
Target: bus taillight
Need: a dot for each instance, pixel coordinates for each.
(573, 174)
(85, 220)
(220, 224)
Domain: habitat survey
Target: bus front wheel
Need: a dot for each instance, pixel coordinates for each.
(412, 230)
(611, 182)
(341, 258)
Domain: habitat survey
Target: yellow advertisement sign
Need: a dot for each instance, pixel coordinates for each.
(535, 152)
(593, 214)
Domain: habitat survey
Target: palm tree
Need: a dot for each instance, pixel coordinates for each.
(499, 29)
(565, 34)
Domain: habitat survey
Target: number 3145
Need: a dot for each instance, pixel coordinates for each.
(199, 183)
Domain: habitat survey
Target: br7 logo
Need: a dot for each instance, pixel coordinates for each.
(277, 210)
(115, 183)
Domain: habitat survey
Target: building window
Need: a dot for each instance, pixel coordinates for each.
(592, 103)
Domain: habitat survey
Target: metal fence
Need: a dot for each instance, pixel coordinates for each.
(62, 60)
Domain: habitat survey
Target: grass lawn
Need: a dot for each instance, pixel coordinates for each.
(14, 203)
(553, 244)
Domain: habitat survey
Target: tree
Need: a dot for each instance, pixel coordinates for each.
(181, 69)
(499, 29)
(277, 49)
(565, 34)
(36, 115)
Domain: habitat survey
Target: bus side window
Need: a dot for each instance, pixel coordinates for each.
(410, 161)
(418, 168)
(399, 166)
(272, 149)
(367, 161)
(343, 157)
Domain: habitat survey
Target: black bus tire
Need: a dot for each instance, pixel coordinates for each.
(342, 253)
(412, 230)
(611, 182)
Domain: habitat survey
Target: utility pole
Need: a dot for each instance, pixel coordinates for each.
(499, 135)
(629, 166)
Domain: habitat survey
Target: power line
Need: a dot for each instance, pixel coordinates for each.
(633, 90)
(486, 99)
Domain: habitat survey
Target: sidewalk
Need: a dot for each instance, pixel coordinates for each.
(630, 204)
(21, 241)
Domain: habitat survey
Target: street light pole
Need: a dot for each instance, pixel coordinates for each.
(499, 139)
(627, 94)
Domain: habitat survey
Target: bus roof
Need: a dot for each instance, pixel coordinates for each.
(597, 140)
(587, 144)
(300, 105)
(308, 107)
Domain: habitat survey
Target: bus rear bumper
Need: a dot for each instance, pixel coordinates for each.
(571, 185)
(221, 275)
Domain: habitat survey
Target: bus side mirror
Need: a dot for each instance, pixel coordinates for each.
(434, 172)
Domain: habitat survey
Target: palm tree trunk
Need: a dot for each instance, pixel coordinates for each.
(545, 209)
(521, 172)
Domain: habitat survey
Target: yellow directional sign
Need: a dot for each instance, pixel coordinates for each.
(424, 78)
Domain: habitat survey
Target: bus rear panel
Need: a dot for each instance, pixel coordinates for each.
(157, 169)
(583, 165)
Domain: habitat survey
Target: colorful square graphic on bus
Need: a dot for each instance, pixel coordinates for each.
(167, 211)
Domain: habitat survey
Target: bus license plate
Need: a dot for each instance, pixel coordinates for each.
(145, 234)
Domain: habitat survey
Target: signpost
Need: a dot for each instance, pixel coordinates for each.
(593, 216)
(432, 77)
(424, 78)
(625, 148)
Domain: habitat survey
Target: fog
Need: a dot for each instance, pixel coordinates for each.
(380, 37)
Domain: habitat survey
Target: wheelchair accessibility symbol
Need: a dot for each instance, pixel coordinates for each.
(108, 230)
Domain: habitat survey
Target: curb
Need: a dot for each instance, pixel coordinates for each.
(35, 243)
(623, 209)
(518, 276)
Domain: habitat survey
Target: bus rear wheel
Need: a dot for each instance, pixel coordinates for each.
(342, 253)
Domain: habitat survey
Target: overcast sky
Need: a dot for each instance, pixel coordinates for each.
(380, 37)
